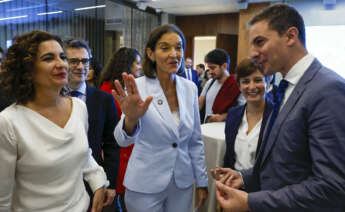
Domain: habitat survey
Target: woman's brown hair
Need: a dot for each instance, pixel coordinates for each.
(16, 77)
(149, 67)
(121, 61)
(246, 67)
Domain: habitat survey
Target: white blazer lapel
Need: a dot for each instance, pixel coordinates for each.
(180, 90)
(185, 98)
(160, 103)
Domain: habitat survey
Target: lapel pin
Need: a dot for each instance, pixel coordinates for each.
(159, 101)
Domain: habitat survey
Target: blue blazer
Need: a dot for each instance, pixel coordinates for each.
(232, 124)
(194, 76)
(102, 121)
(301, 166)
(162, 148)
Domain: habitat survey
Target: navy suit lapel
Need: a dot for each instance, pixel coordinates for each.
(237, 117)
(90, 97)
(289, 105)
(183, 74)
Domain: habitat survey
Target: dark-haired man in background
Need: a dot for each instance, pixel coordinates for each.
(102, 114)
(221, 92)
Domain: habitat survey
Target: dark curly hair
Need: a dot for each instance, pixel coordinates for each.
(121, 61)
(16, 76)
(218, 56)
(149, 67)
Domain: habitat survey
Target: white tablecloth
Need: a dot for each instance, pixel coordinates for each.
(214, 141)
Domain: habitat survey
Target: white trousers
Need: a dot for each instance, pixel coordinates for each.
(172, 199)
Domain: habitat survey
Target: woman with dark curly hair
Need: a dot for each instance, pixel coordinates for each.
(43, 143)
(125, 60)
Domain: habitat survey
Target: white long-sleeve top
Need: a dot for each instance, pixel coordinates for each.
(42, 165)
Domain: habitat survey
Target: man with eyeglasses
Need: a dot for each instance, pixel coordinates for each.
(102, 115)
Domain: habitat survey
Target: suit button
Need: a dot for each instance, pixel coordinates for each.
(174, 145)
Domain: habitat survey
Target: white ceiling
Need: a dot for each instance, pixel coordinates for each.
(192, 7)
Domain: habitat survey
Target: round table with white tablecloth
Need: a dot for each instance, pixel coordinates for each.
(214, 141)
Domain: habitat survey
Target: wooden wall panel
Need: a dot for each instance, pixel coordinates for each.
(206, 25)
(243, 34)
(229, 44)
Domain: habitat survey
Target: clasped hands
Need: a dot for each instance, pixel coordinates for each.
(227, 183)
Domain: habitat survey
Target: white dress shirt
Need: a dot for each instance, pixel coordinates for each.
(245, 145)
(82, 90)
(295, 74)
(43, 165)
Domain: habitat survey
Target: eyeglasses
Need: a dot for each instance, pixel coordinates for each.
(76, 61)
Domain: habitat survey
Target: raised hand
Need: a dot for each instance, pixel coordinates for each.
(130, 101)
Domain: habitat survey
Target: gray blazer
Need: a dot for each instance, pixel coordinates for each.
(162, 148)
(302, 164)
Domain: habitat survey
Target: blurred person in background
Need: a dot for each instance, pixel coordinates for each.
(94, 75)
(125, 60)
(221, 92)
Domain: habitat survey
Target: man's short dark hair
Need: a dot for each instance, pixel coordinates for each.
(280, 17)
(78, 44)
(218, 56)
(201, 66)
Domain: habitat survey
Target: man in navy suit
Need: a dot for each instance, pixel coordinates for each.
(102, 114)
(189, 73)
(301, 164)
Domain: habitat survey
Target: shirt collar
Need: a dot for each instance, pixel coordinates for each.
(81, 89)
(297, 71)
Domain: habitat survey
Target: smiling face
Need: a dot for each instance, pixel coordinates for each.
(268, 48)
(168, 53)
(78, 65)
(50, 66)
(253, 87)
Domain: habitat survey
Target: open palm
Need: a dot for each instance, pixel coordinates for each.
(130, 101)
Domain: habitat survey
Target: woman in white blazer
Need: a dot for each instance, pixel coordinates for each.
(161, 116)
